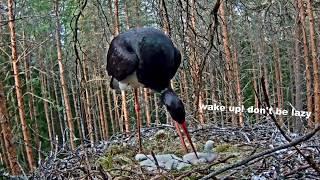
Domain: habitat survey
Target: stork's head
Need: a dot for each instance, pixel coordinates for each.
(174, 105)
(176, 109)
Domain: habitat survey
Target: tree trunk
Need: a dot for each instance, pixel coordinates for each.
(4, 155)
(95, 111)
(116, 17)
(106, 126)
(10, 148)
(297, 124)
(116, 109)
(4, 159)
(87, 101)
(125, 112)
(112, 118)
(307, 62)
(238, 87)
(165, 18)
(15, 65)
(157, 120)
(30, 90)
(126, 14)
(76, 105)
(137, 11)
(315, 63)
(186, 90)
(60, 115)
(147, 108)
(62, 78)
(255, 88)
(228, 58)
(277, 64)
(45, 95)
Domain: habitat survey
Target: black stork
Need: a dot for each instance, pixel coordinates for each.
(146, 57)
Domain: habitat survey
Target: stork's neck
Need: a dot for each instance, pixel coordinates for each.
(168, 96)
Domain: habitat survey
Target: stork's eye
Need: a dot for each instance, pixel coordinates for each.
(129, 49)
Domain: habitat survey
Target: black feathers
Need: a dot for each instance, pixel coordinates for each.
(121, 59)
(174, 105)
(147, 51)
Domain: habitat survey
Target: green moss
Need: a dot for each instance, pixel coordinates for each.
(106, 161)
(161, 136)
(222, 148)
(117, 156)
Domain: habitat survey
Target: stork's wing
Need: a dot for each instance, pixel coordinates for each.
(159, 60)
(177, 61)
(121, 59)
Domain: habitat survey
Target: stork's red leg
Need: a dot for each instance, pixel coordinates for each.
(181, 137)
(137, 109)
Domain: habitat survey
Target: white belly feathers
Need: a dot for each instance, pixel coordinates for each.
(130, 81)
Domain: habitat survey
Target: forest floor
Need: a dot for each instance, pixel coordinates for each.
(238, 151)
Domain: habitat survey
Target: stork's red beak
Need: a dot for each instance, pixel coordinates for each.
(186, 132)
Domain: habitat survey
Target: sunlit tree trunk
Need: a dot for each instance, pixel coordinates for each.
(229, 66)
(125, 112)
(200, 93)
(123, 94)
(146, 105)
(237, 75)
(238, 85)
(307, 62)
(315, 63)
(62, 78)
(15, 65)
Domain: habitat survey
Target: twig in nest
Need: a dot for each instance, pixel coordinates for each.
(264, 153)
(103, 173)
(155, 160)
(222, 161)
(295, 171)
(309, 159)
(206, 167)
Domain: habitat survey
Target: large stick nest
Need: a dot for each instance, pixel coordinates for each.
(114, 159)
